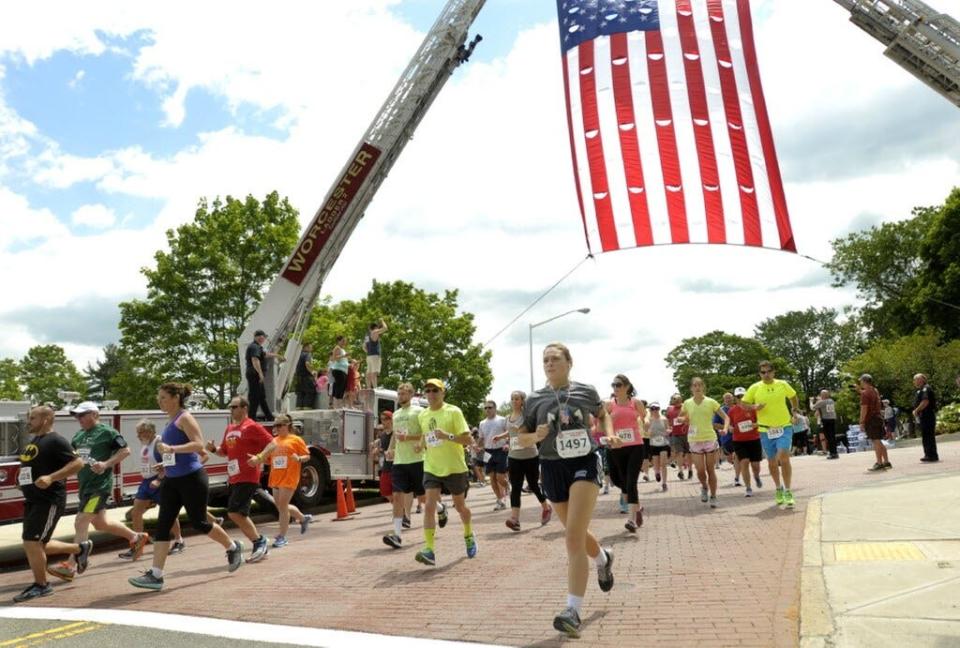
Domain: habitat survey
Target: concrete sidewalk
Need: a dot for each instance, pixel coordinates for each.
(881, 565)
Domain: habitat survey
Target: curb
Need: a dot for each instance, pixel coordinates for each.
(816, 618)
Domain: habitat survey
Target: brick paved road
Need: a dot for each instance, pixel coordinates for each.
(691, 576)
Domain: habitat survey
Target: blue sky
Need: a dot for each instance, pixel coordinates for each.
(115, 120)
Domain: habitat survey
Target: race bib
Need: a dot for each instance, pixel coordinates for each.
(573, 443)
(626, 435)
(658, 440)
(84, 454)
(170, 459)
(25, 476)
(745, 426)
(233, 467)
(774, 432)
(515, 444)
(279, 462)
(145, 469)
(433, 440)
(692, 430)
(830, 409)
(487, 457)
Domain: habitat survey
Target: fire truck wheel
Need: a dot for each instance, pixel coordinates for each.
(314, 476)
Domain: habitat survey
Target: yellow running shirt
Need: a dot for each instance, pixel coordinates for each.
(406, 421)
(773, 397)
(700, 419)
(443, 457)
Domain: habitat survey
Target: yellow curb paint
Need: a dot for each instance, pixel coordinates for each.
(851, 551)
(51, 631)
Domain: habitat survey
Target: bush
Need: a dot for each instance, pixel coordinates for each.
(948, 419)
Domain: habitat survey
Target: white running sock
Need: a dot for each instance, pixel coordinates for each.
(397, 526)
(157, 572)
(600, 560)
(575, 602)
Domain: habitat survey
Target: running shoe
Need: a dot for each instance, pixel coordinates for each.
(689, 473)
(178, 546)
(147, 580)
(32, 592)
(887, 465)
(639, 517)
(780, 497)
(501, 506)
(630, 526)
(137, 545)
(405, 522)
(606, 490)
(513, 525)
(704, 495)
(305, 523)
(393, 540)
(64, 571)
(713, 501)
(736, 482)
(929, 460)
(472, 546)
(646, 478)
(605, 573)
(877, 467)
(568, 622)
(426, 557)
(259, 550)
(419, 508)
(759, 483)
(545, 515)
(680, 475)
(749, 492)
(280, 542)
(833, 456)
(788, 499)
(657, 476)
(663, 487)
(83, 557)
(128, 554)
(235, 556)
(441, 515)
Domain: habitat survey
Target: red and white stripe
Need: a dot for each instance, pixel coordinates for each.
(670, 135)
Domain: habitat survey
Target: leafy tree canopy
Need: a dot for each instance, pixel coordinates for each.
(45, 370)
(10, 388)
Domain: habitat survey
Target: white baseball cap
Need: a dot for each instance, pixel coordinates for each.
(739, 391)
(84, 407)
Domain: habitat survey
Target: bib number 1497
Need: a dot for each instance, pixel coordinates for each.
(573, 443)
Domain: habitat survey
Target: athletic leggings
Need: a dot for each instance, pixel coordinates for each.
(625, 464)
(520, 468)
(189, 492)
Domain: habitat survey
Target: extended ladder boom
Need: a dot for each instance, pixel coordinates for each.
(923, 41)
(285, 308)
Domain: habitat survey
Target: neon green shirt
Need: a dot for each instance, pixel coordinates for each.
(443, 457)
(773, 396)
(406, 421)
(700, 419)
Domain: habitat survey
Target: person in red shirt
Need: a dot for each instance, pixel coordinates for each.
(871, 422)
(679, 447)
(746, 440)
(245, 443)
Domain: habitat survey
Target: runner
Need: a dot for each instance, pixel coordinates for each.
(496, 444)
(626, 412)
(45, 463)
(445, 435)
(289, 453)
(407, 449)
(768, 398)
(746, 440)
(679, 445)
(476, 458)
(726, 440)
(245, 442)
(524, 463)
(185, 485)
(148, 493)
(801, 427)
(557, 417)
(659, 444)
(698, 411)
(101, 448)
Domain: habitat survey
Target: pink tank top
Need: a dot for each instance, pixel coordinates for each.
(624, 419)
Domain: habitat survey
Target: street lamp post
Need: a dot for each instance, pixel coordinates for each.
(533, 326)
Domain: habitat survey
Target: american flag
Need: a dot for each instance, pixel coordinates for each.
(669, 131)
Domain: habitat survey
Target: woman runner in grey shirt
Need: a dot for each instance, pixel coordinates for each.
(522, 463)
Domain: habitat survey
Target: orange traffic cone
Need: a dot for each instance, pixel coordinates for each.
(342, 513)
(351, 505)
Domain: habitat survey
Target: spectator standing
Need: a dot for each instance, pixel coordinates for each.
(372, 346)
(353, 384)
(256, 357)
(826, 409)
(306, 379)
(871, 421)
(889, 419)
(339, 365)
(925, 413)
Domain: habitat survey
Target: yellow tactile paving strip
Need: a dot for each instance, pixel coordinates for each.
(877, 551)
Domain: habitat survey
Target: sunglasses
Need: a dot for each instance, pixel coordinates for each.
(431, 390)
(236, 407)
(616, 384)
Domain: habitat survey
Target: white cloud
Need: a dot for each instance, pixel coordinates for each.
(21, 225)
(97, 216)
(482, 198)
(77, 78)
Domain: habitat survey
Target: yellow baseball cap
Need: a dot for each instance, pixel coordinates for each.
(436, 382)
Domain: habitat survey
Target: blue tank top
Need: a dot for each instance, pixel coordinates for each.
(187, 462)
(373, 346)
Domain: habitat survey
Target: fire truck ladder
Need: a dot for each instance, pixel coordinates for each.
(923, 41)
(285, 308)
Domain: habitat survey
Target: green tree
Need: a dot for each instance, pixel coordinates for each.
(894, 362)
(939, 278)
(426, 338)
(45, 370)
(885, 265)
(725, 361)
(200, 295)
(100, 376)
(10, 388)
(814, 342)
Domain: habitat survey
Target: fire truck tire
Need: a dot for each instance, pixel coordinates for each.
(314, 477)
